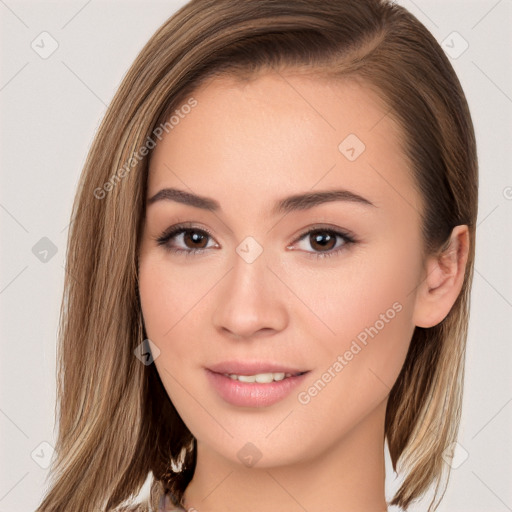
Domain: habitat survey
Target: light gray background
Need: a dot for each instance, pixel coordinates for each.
(50, 110)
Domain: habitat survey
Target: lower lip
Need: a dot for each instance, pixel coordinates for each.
(253, 394)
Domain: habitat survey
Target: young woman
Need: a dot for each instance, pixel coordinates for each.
(270, 267)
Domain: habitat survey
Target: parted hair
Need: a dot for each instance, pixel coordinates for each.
(116, 423)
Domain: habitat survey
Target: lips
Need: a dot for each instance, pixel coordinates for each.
(274, 381)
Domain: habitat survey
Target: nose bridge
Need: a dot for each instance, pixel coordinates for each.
(251, 299)
(250, 272)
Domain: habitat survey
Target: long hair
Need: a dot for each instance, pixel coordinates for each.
(116, 423)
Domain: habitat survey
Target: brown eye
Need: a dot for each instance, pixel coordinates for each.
(197, 239)
(325, 242)
(183, 239)
(322, 240)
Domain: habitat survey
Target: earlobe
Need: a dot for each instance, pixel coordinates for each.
(442, 281)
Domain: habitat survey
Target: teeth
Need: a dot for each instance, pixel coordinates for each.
(261, 378)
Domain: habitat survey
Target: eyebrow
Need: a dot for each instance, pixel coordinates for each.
(288, 204)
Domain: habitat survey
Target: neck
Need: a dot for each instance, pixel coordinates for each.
(348, 477)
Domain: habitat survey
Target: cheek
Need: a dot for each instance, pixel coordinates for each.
(370, 310)
(156, 301)
(167, 298)
(175, 301)
(169, 294)
(366, 295)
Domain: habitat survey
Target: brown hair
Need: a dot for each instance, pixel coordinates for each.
(116, 422)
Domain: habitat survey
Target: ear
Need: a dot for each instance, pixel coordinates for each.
(442, 280)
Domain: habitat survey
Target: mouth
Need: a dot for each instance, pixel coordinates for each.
(263, 378)
(253, 385)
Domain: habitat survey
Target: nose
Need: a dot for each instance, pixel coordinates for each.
(251, 300)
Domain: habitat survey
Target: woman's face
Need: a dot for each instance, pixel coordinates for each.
(261, 289)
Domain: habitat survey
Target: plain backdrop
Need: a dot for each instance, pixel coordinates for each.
(53, 95)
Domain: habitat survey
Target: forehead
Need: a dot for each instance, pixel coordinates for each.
(281, 133)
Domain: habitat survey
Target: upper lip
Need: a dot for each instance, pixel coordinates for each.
(253, 368)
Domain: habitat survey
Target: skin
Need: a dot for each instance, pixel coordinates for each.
(247, 145)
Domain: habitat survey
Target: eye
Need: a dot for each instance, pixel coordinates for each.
(189, 239)
(325, 241)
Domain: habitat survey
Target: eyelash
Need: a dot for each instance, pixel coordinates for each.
(167, 235)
